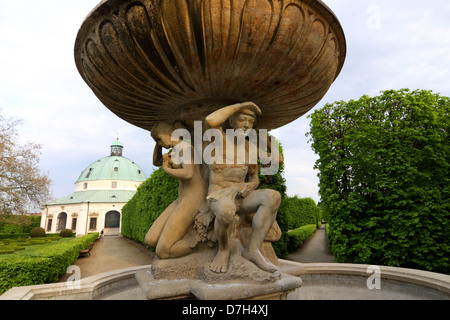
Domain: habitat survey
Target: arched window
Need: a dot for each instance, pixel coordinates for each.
(112, 219)
(62, 221)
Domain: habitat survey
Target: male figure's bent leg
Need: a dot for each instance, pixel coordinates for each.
(265, 202)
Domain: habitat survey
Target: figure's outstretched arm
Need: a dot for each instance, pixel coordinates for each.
(217, 118)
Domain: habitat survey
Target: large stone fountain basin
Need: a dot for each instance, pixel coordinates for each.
(153, 60)
(320, 281)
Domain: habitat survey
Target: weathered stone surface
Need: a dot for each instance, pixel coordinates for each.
(277, 290)
(197, 266)
(155, 289)
(217, 201)
(148, 60)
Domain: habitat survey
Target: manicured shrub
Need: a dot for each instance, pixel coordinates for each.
(37, 232)
(66, 233)
(14, 235)
(384, 167)
(298, 236)
(53, 238)
(13, 246)
(39, 240)
(6, 250)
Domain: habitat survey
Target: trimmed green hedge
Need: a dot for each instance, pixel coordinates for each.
(44, 265)
(37, 232)
(384, 167)
(295, 212)
(67, 233)
(298, 236)
(151, 199)
(301, 212)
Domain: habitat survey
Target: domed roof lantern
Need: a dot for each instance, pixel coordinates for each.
(116, 148)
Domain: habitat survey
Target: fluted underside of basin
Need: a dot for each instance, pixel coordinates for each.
(147, 59)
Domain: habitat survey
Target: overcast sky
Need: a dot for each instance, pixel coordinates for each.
(390, 44)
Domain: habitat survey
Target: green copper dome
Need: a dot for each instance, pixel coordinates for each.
(117, 143)
(114, 167)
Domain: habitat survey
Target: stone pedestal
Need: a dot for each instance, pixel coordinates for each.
(201, 290)
(196, 266)
(190, 277)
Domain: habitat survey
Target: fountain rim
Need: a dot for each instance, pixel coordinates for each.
(100, 285)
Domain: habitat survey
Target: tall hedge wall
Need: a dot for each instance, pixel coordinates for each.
(150, 200)
(295, 213)
(301, 212)
(384, 167)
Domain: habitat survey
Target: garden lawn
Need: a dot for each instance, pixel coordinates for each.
(21, 247)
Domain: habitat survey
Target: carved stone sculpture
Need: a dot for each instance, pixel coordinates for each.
(218, 202)
(207, 66)
(232, 189)
(168, 231)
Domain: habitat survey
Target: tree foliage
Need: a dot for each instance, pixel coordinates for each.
(385, 179)
(22, 186)
(17, 225)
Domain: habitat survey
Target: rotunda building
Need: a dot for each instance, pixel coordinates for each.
(102, 189)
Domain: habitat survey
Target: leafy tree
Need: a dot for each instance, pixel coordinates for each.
(18, 224)
(384, 178)
(22, 186)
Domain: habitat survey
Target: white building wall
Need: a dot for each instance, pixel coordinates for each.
(83, 212)
(107, 185)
